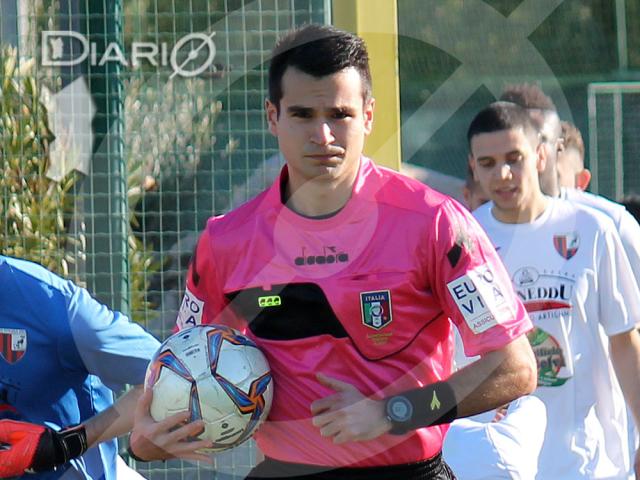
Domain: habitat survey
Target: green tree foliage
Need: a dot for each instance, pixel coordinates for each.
(36, 213)
(34, 210)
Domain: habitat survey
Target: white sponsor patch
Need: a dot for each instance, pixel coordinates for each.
(479, 298)
(190, 313)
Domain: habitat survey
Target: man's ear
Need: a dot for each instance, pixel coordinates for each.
(272, 116)
(541, 161)
(583, 178)
(367, 111)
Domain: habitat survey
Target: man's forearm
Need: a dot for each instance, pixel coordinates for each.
(115, 420)
(625, 357)
(496, 379)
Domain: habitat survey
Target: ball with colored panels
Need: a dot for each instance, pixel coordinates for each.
(219, 376)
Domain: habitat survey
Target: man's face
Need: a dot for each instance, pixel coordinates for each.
(506, 165)
(322, 125)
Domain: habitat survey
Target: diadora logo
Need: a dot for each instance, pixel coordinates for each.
(329, 255)
(269, 301)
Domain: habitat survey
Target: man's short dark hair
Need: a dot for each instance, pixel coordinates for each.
(318, 50)
(528, 95)
(540, 106)
(573, 140)
(501, 116)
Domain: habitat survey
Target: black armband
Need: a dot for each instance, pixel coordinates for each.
(133, 455)
(434, 404)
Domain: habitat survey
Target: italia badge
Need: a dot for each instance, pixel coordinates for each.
(376, 309)
(567, 244)
(13, 344)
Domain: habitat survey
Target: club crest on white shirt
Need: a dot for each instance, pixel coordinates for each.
(566, 244)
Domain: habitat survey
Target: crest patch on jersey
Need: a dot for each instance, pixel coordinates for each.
(566, 244)
(190, 313)
(480, 298)
(13, 344)
(376, 309)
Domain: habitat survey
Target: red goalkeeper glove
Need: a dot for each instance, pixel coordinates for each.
(29, 447)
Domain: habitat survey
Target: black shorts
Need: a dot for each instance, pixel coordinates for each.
(432, 469)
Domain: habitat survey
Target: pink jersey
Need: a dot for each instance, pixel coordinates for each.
(365, 296)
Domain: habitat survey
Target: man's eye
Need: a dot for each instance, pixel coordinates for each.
(341, 115)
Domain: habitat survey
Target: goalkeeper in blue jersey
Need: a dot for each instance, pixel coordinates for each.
(62, 355)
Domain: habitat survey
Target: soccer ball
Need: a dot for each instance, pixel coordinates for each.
(217, 374)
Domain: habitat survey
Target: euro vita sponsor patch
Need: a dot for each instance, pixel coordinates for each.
(190, 313)
(480, 298)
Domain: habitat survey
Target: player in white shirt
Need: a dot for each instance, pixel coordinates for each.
(564, 174)
(574, 178)
(569, 268)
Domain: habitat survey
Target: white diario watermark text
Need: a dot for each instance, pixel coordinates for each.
(198, 55)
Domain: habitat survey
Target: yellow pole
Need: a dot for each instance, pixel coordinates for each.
(376, 21)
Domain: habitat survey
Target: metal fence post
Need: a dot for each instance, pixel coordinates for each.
(106, 202)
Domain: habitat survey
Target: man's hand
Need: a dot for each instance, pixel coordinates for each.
(348, 416)
(26, 446)
(170, 438)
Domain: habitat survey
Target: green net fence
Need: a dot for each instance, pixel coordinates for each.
(614, 138)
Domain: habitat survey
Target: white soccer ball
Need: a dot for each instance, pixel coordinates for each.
(217, 374)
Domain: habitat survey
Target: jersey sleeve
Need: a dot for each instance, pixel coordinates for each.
(472, 284)
(616, 285)
(110, 346)
(203, 300)
(629, 231)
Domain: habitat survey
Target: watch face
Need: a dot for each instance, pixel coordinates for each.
(399, 409)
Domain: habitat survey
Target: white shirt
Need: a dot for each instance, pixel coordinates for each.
(629, 232)
(626, 224)
(484, 450)
(570, 270)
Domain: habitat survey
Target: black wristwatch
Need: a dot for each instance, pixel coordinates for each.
(399, 411)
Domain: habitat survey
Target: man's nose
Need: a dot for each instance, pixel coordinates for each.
(504, 172)
(322, 134)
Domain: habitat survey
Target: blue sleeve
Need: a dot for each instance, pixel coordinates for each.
(110, 346)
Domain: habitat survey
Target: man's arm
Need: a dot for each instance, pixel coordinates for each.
(499, 377)
(36, 447)
(115, 421)
(625, 357)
